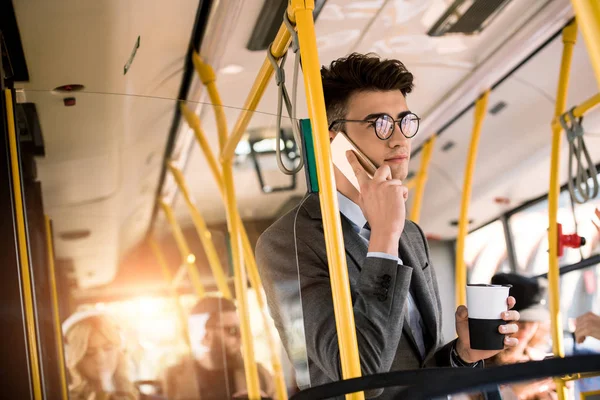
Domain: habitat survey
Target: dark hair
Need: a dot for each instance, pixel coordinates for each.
(213, 306)
(357, 73)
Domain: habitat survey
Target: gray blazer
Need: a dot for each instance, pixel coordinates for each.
(292, 262)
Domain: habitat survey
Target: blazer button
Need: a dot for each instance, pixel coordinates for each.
(386, 278)
(385, 284)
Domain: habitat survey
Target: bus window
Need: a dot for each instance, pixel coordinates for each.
(530, 235)
(485, 253)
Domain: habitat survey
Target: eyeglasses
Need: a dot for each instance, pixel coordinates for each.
(384, 125)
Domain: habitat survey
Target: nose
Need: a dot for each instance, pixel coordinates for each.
(397, 139)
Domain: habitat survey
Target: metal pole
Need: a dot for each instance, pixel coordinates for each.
(27, 288)
(587, 13)
(234, 225)
(55, 312)
(463, 222)
(203, 233)
(336, 255)
(569, 39)
(188, 258)
(421, 180)
(208, 77)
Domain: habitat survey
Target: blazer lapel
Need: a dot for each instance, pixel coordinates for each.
(355, 247)
(422, 292)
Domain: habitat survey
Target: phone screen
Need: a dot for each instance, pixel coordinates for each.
(339, 146)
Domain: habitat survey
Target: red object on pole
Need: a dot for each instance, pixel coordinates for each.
(573, 241)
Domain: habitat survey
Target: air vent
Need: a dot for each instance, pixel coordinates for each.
(455, 222)
(467, 17)
(499, 106)
(77, 234)
(269, 21)
(446, 147)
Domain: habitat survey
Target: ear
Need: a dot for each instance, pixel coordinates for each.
(332, 135)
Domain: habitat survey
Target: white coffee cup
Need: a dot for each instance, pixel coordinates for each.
(486, 303)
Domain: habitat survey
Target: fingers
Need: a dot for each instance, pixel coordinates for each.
(511, 302)
(358, 169)
(582, 333)
(508, 329)
(511, 341)
(462, 313)
(511, 315)
(383, 173)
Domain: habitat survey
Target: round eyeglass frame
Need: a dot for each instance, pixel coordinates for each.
(389, 118)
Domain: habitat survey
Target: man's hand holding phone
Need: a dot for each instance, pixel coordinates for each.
(382, 200)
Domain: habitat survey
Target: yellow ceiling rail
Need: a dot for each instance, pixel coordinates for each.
(30, 325)
(188, 259)
(587, 13)
(579, 111)
(421, 179)
(278, 49)
(569, 38)
(203, 233)
(336, 255)
(463, 221)
(64, 391)
(250, 262)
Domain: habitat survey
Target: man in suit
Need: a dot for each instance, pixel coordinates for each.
(216, 370)
(395, 296)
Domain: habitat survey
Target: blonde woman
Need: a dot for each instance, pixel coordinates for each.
(95, 359)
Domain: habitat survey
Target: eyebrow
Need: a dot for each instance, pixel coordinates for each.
(377, 115)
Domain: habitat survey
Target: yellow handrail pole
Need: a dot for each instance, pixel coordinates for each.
(23, 250)
(580, 110)
(208, 78)
(415, 212)
(203, 233)
(569, 39)
(240, 281)
(55, 311)
(189, 259)
(336, 256)
(169, 279)
(463, 222)
(587, 13)
(278, 49)
(194, 123)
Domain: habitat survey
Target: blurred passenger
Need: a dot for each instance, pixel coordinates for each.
(216, 372)
(587, 325)
(95, 358)
(533, 335)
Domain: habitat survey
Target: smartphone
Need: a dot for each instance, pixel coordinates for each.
(339, 146)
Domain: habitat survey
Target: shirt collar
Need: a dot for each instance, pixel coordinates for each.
(352, 211)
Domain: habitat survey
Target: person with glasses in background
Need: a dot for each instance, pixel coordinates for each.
(396, 301)
(216, 370)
